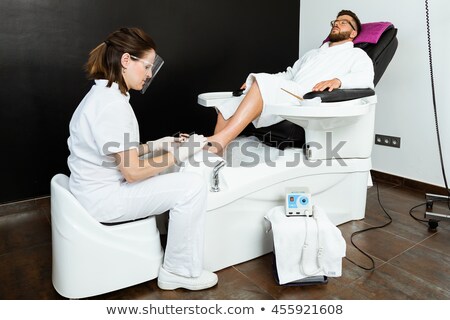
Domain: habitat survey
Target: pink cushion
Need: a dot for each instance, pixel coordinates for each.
(370, 32)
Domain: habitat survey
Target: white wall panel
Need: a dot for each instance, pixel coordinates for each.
(404, 93)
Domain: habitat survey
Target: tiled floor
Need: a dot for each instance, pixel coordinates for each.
(411, 262)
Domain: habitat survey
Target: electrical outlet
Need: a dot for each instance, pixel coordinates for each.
(389, 141)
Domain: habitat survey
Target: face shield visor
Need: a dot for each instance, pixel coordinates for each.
(157, 64)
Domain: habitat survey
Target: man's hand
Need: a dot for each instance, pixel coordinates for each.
(327, 84)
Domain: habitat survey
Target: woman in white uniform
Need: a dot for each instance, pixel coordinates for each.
(110, 177)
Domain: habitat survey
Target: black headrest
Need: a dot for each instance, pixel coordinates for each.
(382, 52)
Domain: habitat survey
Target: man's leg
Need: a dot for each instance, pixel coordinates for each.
(220, 124)
(227, 130)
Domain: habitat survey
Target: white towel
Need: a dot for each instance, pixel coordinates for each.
(305, 246)
(311, 102)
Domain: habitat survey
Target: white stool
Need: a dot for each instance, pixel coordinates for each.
(90, 258)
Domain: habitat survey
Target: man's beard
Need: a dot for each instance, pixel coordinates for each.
(336, 37)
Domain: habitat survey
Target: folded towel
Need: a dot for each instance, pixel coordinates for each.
(370, 32)
(305, 246)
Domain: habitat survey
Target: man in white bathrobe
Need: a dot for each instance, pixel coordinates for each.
(336, 64)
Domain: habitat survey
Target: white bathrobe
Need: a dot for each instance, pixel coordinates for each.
(352, 66)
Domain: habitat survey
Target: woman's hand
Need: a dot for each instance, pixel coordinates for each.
(165, 142)
(191, 146)
(183, 137)
(158, 145)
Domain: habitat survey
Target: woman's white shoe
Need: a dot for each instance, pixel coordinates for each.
(171, 281)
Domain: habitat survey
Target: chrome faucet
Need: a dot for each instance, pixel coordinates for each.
(215, 176)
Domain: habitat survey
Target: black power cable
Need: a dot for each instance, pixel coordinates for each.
(433, 92)
(427, 16)
(367, 229)
(440, 155)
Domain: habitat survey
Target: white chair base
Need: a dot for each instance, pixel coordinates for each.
(90, 258)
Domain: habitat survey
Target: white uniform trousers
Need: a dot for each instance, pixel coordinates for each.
(184, 194)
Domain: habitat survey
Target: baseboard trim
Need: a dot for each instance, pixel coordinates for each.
(408, 183)
(23, 205)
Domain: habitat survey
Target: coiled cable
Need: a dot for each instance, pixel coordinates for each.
(430, 58)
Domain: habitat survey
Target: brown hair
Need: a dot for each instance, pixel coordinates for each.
(354, 17)
(104, 61)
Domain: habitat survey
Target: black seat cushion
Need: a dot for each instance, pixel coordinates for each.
(382, 52)
(280, 135)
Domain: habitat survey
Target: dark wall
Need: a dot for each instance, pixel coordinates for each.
(207, 46)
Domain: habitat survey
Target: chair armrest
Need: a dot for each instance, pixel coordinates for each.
(339, 95)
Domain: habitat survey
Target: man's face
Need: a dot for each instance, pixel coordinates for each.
(343, 29)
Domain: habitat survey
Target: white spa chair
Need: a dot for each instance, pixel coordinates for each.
(90, 258)
(235, 230)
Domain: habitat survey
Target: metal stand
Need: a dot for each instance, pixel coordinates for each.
(434, 217)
